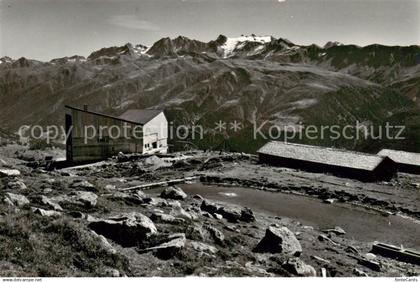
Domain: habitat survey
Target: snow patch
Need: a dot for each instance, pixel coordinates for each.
(321, 86)
(233, 43)
(258, 49)
(104, 57)
(140, 49)
(230, 103)
(124, 104)
(304, 103)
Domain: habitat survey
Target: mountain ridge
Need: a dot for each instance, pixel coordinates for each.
(180, 42)
(240, 78)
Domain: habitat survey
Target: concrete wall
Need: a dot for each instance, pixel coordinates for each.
(156, 135)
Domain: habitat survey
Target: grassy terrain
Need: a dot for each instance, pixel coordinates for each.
(31, 245)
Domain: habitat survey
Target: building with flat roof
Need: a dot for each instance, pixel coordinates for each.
(93, 136)
(365, 167)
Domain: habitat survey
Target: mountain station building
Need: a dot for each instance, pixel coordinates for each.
(361, 166)
(93, 136)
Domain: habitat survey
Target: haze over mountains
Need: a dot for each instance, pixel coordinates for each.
(248, 79)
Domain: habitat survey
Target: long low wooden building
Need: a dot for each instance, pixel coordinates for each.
(365, 167)
(406, 161)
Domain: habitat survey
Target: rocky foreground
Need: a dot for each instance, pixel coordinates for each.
(90, 221)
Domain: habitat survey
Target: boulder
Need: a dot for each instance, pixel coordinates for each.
(111, 272)
(359, 273)
(208, 215)
(247, 215)
(299, 268)
(46, 213)
(49, 203)
(125, 229)
(370, 256)
(83, 185)
(231, 214)
(210, 207)
(174, 193)
(76, 214)
(321, 260)
(198, 197)
(254, 270)
(8, 202)
(80, 198)
(181, 213)
(158, 202)
(88, 199)
(4, 172)
(47, 190)
(155, 163)
(104, 243)
(121, 157)
(50, 181)
(216, 234)
(167, 250)
(140, 194)
(16, 185)
(181, 164)
(232, 228)
(217, 216)
(160, 217)
(173, 204)
(203, 248)
(109, 187)
(279, 240)
(16, 199)
(324, 238)
(336, 230)
(352, 249)
(196, 232)
(135, 199)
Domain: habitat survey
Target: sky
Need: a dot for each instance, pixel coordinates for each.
(47, 29)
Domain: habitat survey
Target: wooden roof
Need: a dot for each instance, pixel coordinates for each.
(140, 116)
(136, 116)
(322, 155)
(401, 157)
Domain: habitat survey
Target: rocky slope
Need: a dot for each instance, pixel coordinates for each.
(250, 79)
(86, 221)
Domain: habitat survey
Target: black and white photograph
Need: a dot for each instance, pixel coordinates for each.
(209, 138)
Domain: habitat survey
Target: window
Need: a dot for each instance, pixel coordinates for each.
(154, 145)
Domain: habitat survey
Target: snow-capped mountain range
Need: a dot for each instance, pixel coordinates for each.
(241, 78)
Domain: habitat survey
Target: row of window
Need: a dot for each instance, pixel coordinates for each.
(152, 146)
